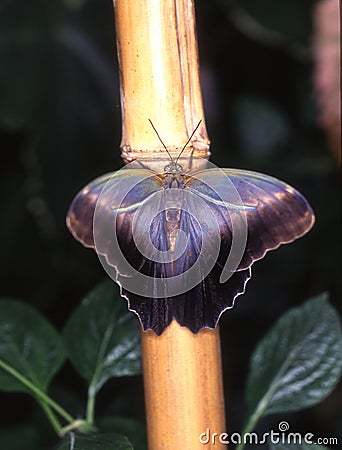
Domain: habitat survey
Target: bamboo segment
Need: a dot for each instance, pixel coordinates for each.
(183, 389)
(158, 61)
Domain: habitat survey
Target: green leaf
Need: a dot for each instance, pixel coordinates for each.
(299, 362)
(95, 442)
(29, 344)
(102, 337)
(133, 429)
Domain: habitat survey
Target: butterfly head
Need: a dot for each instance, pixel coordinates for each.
(173, 172)
(173, 176)
(173, 169)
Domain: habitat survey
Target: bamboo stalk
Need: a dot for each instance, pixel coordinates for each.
(183, 388)
(158, 59)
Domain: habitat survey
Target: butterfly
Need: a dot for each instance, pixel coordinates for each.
(181, 244)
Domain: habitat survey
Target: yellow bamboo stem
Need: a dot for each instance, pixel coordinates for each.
(158, 60)
(183, 389)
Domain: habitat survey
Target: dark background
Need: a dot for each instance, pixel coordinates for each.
(60, 128)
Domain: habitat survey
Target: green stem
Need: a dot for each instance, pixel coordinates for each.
(263, 403)
(80, 425)
(35, 390)
(99, 364)
(257, 414)
(91, 405)
(251, 424)
(56, 425)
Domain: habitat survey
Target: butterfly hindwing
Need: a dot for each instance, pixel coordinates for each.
(196, 308)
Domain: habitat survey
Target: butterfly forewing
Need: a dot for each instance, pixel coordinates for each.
(276, 213)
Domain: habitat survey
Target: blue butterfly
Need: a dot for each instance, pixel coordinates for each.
(181, 245)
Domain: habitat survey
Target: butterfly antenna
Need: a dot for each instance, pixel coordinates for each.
(187, 142)
(160, 139)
